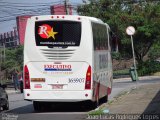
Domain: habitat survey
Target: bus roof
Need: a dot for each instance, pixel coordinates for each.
(68, 17)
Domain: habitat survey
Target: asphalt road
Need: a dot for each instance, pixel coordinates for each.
(23, 110)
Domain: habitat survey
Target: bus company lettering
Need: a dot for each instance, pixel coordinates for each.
(57, 67)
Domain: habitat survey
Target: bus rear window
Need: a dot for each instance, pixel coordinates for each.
(57, 33)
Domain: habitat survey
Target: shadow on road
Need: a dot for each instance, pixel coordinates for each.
(152, 112)
(154, 105)
(80, 107)
(22, 110)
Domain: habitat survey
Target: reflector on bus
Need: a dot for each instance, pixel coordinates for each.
(37, 79)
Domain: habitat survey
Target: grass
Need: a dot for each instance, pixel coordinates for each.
(121, 72)
(125, 71)
(96, 112)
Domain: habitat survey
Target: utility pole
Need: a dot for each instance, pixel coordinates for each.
(4, 52)
(0, 65)
(84, 1)
(66, 6)
(1, 59)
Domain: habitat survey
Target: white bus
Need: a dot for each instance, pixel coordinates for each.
(66, 59)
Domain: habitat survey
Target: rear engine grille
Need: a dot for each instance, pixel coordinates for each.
(57, 54)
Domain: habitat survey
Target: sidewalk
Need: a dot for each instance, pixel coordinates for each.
(125, 84)
(12, 91)
(143, 100)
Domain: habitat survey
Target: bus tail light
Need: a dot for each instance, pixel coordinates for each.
(88, 78)
(26, 78)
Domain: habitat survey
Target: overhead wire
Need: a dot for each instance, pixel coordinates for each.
(29, 4)
(37, 11)
(13, 9)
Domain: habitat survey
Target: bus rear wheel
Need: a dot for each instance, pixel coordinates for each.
(105, 99)
(6, 106)
(37, 106)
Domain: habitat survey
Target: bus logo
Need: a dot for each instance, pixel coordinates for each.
(45, 31)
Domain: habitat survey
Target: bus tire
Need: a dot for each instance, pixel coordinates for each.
(6, 106)
(105, 99)
(37, 106)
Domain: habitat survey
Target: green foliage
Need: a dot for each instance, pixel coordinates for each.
(116, 55)
(13, 60)
(148, 68)
(119, 14)
(120, 72)
(96, 112)
(154, 52)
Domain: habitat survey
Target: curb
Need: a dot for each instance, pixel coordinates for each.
(11, 91)
(140, 78)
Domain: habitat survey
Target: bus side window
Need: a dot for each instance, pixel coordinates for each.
(99, 36)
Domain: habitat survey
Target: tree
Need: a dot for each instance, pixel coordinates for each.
(119, 14)
(14, 59)
(154, 52)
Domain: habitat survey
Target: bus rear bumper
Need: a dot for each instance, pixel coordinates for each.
(58, 96)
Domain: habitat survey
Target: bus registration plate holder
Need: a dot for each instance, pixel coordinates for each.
(55, 87)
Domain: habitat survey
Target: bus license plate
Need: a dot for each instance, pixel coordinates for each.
(57, 86)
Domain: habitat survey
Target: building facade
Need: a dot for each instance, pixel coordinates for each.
(21, 27)
(9, 39)
(61, 10)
